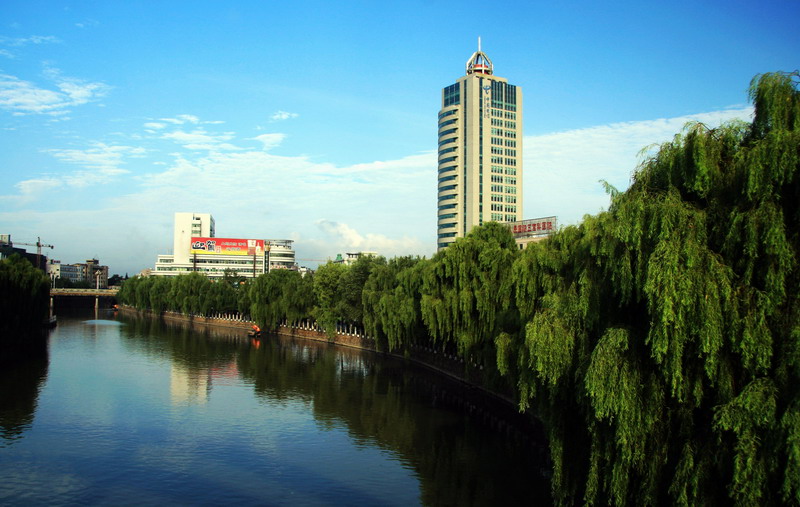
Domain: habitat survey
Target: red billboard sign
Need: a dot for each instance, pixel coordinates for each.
(227, 246)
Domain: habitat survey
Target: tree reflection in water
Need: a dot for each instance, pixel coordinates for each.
(465, 447)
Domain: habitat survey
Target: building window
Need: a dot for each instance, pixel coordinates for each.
(452, 95)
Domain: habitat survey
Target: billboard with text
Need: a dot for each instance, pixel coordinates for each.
(227, 246)
(533, 227)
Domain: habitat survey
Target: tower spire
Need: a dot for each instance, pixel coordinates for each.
(479, 62)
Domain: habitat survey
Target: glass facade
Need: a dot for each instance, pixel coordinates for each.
(452, 95)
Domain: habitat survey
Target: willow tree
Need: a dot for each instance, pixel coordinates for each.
(326, 291)
(391, 300)
(467, 298)
(280, 295)
(662, 340)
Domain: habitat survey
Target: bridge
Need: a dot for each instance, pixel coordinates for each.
(84, 292)
(96, 293)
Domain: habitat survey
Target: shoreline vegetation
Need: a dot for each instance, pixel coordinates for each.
(658, 342)
(24, 299)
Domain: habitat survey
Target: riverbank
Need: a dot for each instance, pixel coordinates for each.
(449, 365)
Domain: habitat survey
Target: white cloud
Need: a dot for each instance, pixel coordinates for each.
(87, 23)
(101, 157)
(282, 115)
(33, 39)
(188, 118)
(341, 238)
(182, 119)
(30, 190)
(154, 126)
(199, 139)
(562, 169)
(99, 164)
(23, 97)
(270, 140)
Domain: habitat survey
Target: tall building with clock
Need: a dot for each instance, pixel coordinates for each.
(480, 151)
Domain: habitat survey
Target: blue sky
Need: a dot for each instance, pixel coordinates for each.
(316, 121)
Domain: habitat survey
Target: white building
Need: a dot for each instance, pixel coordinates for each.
(351, 257)
(197, 249)
(72, 272)
(480, 151)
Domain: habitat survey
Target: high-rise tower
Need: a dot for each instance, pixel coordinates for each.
(480, 151)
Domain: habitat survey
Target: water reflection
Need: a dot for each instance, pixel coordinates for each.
(464, 447)
(189, 385)
(19, 390)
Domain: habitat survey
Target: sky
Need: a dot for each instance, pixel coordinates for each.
(316, 121)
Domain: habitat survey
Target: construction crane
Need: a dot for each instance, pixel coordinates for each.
(39, 245)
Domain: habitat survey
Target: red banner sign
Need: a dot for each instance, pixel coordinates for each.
(227, 246)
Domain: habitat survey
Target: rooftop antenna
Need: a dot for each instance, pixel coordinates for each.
(479, 43)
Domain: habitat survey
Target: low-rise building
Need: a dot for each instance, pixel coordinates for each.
(196, 249)
(91, 272)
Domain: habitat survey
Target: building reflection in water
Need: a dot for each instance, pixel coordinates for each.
(189, 386)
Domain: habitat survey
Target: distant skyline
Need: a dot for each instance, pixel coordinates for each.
(316, 121)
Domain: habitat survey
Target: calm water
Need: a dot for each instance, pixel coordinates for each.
(132, 412)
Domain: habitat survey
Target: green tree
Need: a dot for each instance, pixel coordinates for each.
(661, 337)
(326, 289)
(24, 297)
(351, 285)
(391, 301)
(467, 296)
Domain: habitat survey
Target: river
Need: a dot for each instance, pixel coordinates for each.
(132, 411)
